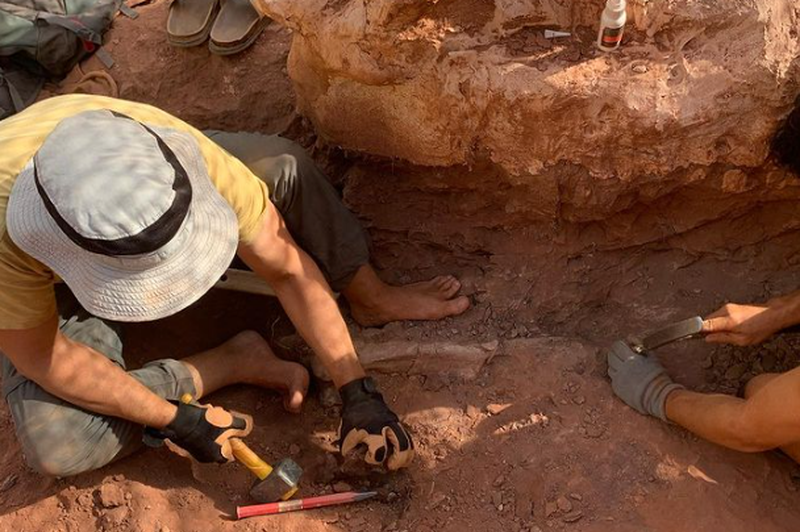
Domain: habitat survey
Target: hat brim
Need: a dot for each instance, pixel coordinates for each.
(139, 288)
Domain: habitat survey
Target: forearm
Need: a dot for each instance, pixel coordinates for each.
(305, 295)
(786, 309)
(82, 376)
(310, 304)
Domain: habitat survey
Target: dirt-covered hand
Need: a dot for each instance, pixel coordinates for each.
(744, 324)
(204, 432)
(367, 420)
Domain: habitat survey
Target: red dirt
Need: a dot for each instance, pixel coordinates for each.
(564, 455)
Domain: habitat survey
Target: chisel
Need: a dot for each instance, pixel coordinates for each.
(302, 504)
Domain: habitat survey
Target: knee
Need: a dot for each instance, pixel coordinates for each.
(59, 440)
(51, 451)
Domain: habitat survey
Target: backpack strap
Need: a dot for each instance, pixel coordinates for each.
(84, 32)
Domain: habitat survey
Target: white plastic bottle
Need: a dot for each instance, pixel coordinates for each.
(612, 25)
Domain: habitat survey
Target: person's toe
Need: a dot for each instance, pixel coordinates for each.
(442, 281)
(448, 286)
(298, 388)
(456, 306)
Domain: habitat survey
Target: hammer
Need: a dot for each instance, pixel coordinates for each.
(274, 484)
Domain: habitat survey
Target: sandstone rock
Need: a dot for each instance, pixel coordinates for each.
(114, 518)
(438, 83)
(564, 504)
(341, 487)
(472, 86)
(496, 408)
(110, 495)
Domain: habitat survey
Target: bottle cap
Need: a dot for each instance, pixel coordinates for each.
(616, 5)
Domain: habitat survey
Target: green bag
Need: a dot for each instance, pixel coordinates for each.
(54, 33)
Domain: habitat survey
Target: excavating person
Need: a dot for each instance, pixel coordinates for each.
(140, 215)
(766, 418)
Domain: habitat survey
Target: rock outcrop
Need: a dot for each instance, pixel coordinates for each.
(550, 141)
(451, 81)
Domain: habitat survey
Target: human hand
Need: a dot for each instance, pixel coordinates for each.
(203, 431)
(744, 324)
(367, 420)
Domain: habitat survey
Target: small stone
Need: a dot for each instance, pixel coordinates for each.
(536, 528)
(576, 496)
(497, 499)
(164, 528)
(499, 481)
(294, 449)
(110, 496)
(769, 362)
(472, 411)
(735, 372)
(564, 504)
(550, 508)
(490, 346)
(391, 497)
(579, 400)
(341, 487)
(114, 517)
(495, 409)
(572, 517)
(640, 69)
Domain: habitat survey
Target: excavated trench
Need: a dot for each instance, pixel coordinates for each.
(579, 196)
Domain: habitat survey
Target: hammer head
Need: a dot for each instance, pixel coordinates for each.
(280, 485)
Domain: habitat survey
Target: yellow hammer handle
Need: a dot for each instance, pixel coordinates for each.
(251, 460)
(242, 452)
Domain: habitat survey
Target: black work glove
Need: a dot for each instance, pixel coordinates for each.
(367, 420)
(204, 432)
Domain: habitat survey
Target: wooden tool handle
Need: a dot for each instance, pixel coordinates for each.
(249, 459)
(242, 452)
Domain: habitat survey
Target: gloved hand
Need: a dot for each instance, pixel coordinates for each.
(203, 432)
(367, 420)
(640, 380)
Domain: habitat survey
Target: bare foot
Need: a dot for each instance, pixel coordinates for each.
(428, 300)
(261, 367)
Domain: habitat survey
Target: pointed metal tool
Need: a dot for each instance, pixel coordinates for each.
(552, 34)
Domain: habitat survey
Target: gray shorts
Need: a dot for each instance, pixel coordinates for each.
(60, 439)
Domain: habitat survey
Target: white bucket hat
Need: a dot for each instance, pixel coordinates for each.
(125, 214)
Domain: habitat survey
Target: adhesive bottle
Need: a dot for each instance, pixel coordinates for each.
(612, 25)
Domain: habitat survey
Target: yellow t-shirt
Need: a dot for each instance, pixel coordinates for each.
(26, 286)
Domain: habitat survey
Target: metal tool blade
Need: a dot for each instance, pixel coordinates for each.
(672, 333)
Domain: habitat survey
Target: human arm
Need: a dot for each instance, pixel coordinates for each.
(305, 295)
(752, 324)
(86, 378)
(81, 376)
(310, 304)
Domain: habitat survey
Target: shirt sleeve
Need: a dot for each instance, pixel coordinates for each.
(27, 296)
(247, 195)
